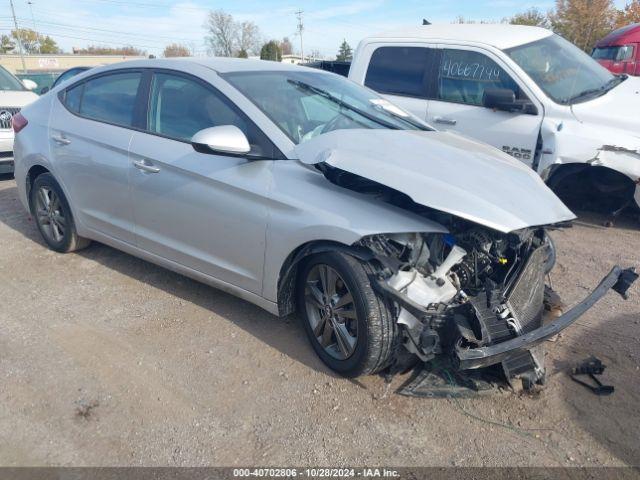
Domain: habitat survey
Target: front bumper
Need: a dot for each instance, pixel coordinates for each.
(470, 358)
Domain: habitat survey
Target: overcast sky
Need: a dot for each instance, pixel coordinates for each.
(150, 24)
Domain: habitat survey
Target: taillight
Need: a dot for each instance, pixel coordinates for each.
(18, 122)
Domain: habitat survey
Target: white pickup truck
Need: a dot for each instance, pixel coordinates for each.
(521, 89)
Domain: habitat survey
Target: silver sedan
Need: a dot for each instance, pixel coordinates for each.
(300, 191)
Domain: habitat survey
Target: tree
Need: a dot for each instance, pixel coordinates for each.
(6, 44)
(629, 14)
(345, 53)
(286, 46)
(242, 53)
(176, 50)
(223, 33)
(271, 51)
(33, 42)
(248, 39)
(49, 45)
(101, 50)
(532, 17)
(583, 22)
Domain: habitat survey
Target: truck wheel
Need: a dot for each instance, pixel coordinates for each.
(348, 324)
(53, 216)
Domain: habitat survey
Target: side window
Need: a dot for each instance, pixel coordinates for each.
(180, 107)
(463, 77)
(399, 71)
(625, 53)
(110, 98)
(72, 98)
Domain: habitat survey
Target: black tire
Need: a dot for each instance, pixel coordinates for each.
(68, 239)
(376, 327)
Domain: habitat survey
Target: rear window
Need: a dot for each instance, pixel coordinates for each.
(399, 71)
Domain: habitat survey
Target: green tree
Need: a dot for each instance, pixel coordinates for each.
(6, 44)
(242, 53)
(583, 22)
(532, 17)
(33, 42)
(271, 51)
(345, 54)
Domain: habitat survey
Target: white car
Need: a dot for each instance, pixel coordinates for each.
(14, 95)
(521, 89)
(299, 190)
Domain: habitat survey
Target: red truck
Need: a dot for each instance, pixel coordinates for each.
(619, 51)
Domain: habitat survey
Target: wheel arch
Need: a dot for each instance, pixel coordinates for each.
(289, 269)
(34, 172)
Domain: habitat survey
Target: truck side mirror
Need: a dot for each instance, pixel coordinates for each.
(505, 99)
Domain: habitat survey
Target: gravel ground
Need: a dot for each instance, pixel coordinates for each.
(108, 360)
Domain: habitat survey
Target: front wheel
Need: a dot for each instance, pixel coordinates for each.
(348, 324)
(53, 216)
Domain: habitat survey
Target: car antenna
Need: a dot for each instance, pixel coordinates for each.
(425, 22)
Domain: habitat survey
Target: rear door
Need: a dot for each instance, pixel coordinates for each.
(89, 134)
(462, 75)
(401, 73)
(205, 211)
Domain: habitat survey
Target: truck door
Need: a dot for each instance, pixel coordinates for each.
(461, 76)
(401, 74)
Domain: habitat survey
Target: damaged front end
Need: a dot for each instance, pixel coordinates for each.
(474, 300)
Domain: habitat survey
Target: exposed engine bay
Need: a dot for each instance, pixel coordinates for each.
(476, 287)
(470, 288)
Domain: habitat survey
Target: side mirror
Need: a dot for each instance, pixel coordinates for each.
(29, 84)
(227, 139)
(505, 99)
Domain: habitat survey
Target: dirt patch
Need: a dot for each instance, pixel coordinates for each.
(182, 374)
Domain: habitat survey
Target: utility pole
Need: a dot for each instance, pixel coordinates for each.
(300, 29)
(15, 22)
(35, 29)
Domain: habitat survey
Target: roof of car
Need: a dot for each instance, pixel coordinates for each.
(497, 35)
(218, 64)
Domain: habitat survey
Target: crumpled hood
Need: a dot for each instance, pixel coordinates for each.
(443, 171)
(618, 108)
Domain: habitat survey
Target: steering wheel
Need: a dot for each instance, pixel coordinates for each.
(336, 123)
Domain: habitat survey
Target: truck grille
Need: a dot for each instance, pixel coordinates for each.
(525, 301)
(5, 116)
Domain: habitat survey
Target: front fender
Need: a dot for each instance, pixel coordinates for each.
(306, 208)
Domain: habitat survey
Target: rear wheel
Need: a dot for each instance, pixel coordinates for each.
(348, 324)
(53, 216)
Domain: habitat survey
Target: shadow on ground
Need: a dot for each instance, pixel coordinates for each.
(284, 334)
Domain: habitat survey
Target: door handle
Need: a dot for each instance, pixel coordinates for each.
(145, 166)
(60, 139)
(445, 121)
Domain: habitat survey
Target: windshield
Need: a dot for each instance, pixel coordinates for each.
(307, 104)
(563, 71)
(9, 82)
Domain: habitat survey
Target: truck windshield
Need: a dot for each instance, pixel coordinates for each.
(563, 71)
(307, 104)
(9, 82)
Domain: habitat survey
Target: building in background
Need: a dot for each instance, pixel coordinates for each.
(57, 63)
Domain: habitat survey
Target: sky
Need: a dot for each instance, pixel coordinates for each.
(150, 25)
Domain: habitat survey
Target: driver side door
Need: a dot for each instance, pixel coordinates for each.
(207, 212)
(462, 74)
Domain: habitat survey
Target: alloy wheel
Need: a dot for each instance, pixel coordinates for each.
(49, 214)
(331, 311)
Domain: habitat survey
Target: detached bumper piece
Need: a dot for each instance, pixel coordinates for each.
(471, 358)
